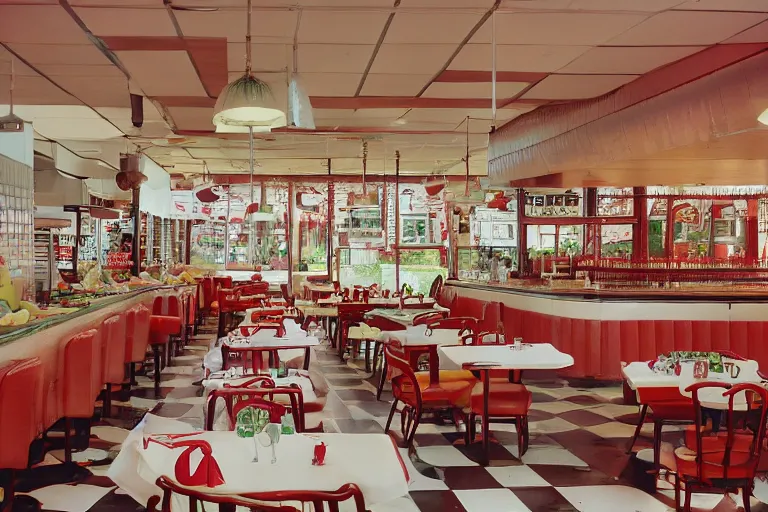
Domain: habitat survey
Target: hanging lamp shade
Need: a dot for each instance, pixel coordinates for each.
(299, 107)
(247, 102)
(763, 118)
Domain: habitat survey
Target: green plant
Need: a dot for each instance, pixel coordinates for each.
(570, 247)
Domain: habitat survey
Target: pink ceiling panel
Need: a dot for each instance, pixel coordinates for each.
(47, 24)
(339, 27)
(431, 28)
(423, 59)
(163, 73)
(85, 54)
(268, 26)
(53, 70)
(756, 34)
(542, 58)
(627, 59)
(576, 87)
(34, 90)
(127, 22)
(688, 28)
(333, 58)
(331, 84)
(564, 28)
(394, 85)
(99, 92)
(266, 57)
(725, 5)
(474, 90)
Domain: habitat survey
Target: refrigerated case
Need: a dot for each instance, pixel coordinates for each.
(46, 274)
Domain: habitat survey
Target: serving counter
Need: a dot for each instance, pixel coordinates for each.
(45, 339)
(602, 329)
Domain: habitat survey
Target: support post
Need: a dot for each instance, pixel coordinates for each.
(136, 244)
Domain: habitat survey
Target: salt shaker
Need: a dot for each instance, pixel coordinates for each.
(518, 343)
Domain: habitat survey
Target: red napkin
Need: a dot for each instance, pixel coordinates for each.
(207, 474)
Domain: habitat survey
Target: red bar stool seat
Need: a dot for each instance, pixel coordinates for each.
(21, 389)
(113, 358)
(80, 380)
(136, 338)
(161, 328)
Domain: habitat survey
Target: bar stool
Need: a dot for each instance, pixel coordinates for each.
(81, 380)
(161, 329)
(170, 306)
(21, 391)
(112, 358)
(136, 338)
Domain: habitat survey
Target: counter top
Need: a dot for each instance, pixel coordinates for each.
(685, 294)
(9, 334)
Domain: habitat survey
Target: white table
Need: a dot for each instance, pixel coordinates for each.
(484, 358)
(536, 356)
(403, 317)
(349, 459)
(266, 340)
(416, 335)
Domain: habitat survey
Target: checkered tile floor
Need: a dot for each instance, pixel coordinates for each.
(576, 460)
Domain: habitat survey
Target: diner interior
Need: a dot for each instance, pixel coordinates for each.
(384, 255)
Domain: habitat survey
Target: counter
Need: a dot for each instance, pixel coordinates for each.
(602, 329)
(46, 338)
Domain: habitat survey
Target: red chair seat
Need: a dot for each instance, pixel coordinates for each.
(504, 399)
(713, 442)
(21, 387)
(161, 327)
(674, 410)
(740, 466)
(449, 392)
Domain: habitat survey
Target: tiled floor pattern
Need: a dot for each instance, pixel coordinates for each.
(576, 460)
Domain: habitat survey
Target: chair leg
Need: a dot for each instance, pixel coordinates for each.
(383, 378)
(156, 351)
(106, 404)
(367, 356)
(67, 440)
(746, 493)
(640, 422)
(391, 415)
(133, 374)
(416, 416)
(688, 493)
(376, 352)
(677, 493)
(657, 427)
(522, 439)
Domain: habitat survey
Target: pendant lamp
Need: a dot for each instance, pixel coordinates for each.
(247, 103)
(763, 118)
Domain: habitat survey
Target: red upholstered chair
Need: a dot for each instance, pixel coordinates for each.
(276, 411)
(261, 502)
(21, 390)
(136, 338)
(289, 397)
(429, 317)
(436, 288)
(161, 329)
(447, 297)
(170, 306)
(112, 358)
(421, 391)
(81, 380)
(725, 459)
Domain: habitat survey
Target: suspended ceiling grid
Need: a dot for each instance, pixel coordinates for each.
(402, 74)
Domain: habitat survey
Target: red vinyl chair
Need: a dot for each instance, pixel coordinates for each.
(112, 358)
(136, 338)
(21, 391)
(276, 411)
(261, 502)
(170, 306)
(506, 400)
(726, 459)
(420, 392)
(162, 329)
(81, 380)
(290, 398)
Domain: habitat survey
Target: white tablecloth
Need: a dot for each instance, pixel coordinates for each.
(416, 335)
(537, 356)
(370, 461)
(404, 317)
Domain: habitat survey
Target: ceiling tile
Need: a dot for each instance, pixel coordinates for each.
(192, 118)
(756, 34)
(725, 5)
(47, 24)
(126, 22)
(75, 54)
(331, 113)
(101, 92)
(535, 58)
(163, 73)
(394, 85)
(592, 5)
(628, 59)
(585, 29)
(446, 116)
(504, 90)
(333, 58)
(268, 26)
(574, 87)
(431, 28)
(265, 57)
(331, 84)
(688, 28)
(34, 90)
(380, 113)
(53, 70)
(479, 5)
(341, 27)
(412, 59)
(114, 3)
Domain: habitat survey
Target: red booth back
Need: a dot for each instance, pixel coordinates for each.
(21, 388)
